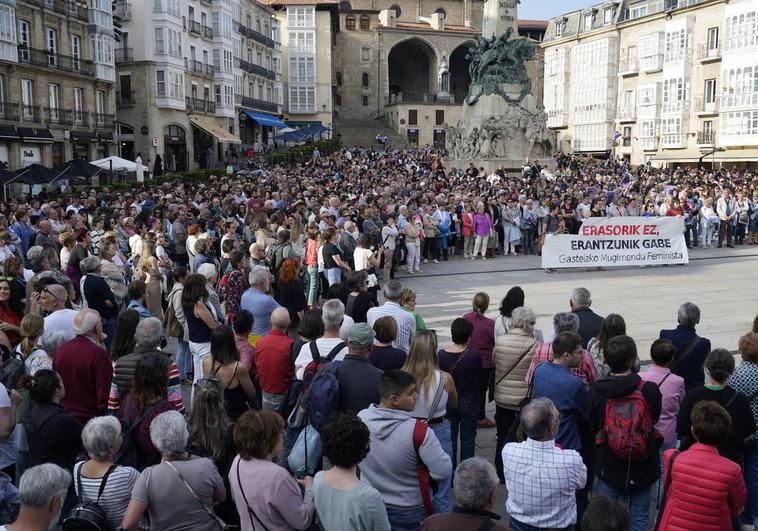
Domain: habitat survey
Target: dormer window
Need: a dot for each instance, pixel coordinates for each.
(559, 27)
(588, 19)
(608, 16)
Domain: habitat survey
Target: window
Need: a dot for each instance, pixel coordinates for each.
(52, 46)
(174, 43)
(439, 116)
(397, 10)
(627, 136)
(707, 136)
(159, 43)
(364, 80)
(302, 70)
(176, 85)
(638, 10)
(365, 54)
(710, 91)
(713, 39)
(78, 106)
(302, 42)
(588, 18)
(23, 40)
(76, 51)
(7, 29)
(100, 107)
(338, 99)
(338, 78)
(228, 61)
(607, 15)
(302, 99)
(102, 48)
(350, 23)
(675, 46)
(365, 101)
(412, 117)
(674, 94)
(649, 48)
(300, 17)
(559, 26)
(160, 82)
(217, 94)
(364, 22)
(54, 101)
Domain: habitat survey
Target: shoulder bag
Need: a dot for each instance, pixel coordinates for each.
(221, 524)
(250, 513)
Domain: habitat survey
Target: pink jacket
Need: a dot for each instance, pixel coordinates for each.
(672, 394)
(705, 488)
(467, 227)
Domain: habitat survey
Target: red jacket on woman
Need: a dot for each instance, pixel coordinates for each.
(705, 488)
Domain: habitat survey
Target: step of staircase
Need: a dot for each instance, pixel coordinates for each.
(362, 133)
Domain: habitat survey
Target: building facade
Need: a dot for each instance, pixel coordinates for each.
(308, 33)
(196, 86)
(57, 73)
(686, 87)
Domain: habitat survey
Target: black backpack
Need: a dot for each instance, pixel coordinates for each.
(88, 515)
(129, 454)
(12, 370)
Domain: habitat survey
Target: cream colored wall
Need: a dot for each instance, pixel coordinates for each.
(324, 101)
(397, 116)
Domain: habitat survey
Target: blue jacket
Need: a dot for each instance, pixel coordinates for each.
(569, 395)
(691, 367)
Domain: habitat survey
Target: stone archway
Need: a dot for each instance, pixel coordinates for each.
(411, 65)
(460, 79)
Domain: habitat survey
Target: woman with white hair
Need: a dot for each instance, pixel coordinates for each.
(178, 493)
(101, 438)
(513, 354)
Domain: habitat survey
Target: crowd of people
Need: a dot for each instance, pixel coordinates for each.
(238, 352)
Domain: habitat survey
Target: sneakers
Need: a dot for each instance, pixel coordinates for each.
(426, 260)
(484, 257)
(436, 261)
(486, 423)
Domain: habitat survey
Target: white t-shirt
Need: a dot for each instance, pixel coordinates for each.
(325, 346)
(61, 320)
(360, 257)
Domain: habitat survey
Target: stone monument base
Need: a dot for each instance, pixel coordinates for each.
(511, 166)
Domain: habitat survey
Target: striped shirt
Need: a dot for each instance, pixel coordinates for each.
(406, 323)
(116, 495)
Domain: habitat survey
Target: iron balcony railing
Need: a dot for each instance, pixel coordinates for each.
(253, 103)
(193, 26)
(705, 137)
(58, 116)
(104, 121)
(207, 32)
(123, 10)
(125, 98)
(56, 61)
(9, 111)
(123, 55)
(199, 105)
(30, 113)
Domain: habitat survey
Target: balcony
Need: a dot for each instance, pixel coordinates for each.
(708, 54)
(258, 37)
(200, 105)
(649, 143)
(557, 119)
(706, 138)
(123, 10)
(64, 7)
(103, 121)
(123, 55)
(706, 108)
(9, 111)
(31, 113)
(627, 114)
(125, 99)
(210, 71)
(207, 32)
(259, 70)
(58, 116)
(674, 140)
(55, 61)
(193, 26)
(252, 103)
(81, 118)
(628, 68)
(651, 63)
(733, 101)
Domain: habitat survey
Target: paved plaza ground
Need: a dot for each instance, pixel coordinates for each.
(722, 282)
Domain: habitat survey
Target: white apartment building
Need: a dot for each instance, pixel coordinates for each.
(687, 88)
(185, 89)
(306, 53)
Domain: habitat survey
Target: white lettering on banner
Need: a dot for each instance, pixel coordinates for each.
(621, 241)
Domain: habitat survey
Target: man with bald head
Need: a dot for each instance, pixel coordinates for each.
(44, 235)
(273, 361)
(85, 368)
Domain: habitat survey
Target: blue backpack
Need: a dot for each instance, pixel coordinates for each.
(323, 395)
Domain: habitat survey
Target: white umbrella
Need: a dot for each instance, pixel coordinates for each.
(119, 164)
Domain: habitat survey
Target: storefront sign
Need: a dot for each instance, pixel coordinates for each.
(30, 155)
(625, 241)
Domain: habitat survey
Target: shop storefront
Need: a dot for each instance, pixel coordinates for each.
(175, 147)
(212, 142)
(82, 144)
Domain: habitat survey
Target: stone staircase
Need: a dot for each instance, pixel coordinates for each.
(363, 133)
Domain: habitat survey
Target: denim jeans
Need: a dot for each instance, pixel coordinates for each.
(183, 358)
(441, 501)
(750, 470)
(638, 500)
(406, 518)
(312, 285)
(463, 420)
(333, 275)
(109, 329)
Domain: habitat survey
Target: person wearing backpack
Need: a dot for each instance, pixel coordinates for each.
(98, 480)
(626, 446)
(358, 378)
(330, 345)
(403, 451)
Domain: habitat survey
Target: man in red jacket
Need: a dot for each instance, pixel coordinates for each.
(274, 362)
(85, 368)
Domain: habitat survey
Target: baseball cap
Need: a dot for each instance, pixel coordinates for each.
(361, 334)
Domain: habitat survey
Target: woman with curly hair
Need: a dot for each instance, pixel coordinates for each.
(343, 501)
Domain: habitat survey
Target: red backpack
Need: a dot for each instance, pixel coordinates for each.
(313, 366)
(628, 426)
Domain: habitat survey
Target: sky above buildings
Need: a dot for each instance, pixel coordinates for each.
(547, 9)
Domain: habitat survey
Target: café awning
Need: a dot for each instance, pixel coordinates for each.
(266, 119)
(36, 135)
(8, 132)
(210, 127)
